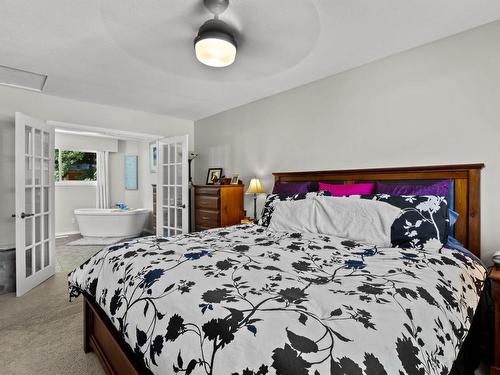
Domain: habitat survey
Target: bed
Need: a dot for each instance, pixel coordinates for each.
(246, 300)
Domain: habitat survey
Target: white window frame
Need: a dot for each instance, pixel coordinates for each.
(72, 182)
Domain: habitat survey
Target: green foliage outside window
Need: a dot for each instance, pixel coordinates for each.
(75, 165)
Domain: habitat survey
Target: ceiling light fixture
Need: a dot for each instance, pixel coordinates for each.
(215, 44)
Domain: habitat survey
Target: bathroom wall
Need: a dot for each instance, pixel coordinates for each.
(143, 196)
(117, 176)
(67, 199)
(7, 187)
(79, 142)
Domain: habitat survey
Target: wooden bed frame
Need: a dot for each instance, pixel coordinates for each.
(116, 357)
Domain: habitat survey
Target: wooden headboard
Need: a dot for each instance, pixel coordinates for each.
(466, 183)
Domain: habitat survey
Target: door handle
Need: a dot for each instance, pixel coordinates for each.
(23, 215)
(181, 206)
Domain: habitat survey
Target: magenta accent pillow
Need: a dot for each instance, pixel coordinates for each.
(342, 190)
(441, 188)
(291, 188)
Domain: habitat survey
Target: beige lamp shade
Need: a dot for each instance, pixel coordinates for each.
(255, 187)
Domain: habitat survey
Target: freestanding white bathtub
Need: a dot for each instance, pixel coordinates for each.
(110, 222)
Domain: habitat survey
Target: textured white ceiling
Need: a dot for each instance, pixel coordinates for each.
(139, 53)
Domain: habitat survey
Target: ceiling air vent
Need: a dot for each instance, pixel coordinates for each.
(21, 78)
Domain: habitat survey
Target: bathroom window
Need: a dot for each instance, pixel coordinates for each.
(73, 165)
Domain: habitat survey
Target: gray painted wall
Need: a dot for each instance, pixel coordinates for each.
(435, 104)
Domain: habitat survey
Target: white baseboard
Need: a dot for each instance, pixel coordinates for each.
(65, 234)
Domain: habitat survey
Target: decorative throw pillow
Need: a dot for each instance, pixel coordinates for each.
(342, 190)
(441, 188)
(423, 222)
(267, 211)
(291, 188)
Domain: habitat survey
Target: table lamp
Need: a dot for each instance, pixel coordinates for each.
(255, 188)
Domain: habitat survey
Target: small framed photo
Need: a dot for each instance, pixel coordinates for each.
(235, 179)
(153, 157)
(213, 175)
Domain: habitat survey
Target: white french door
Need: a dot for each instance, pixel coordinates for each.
(172, 187)
(35, 239)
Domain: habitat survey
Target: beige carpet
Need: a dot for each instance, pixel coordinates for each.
(41, 333)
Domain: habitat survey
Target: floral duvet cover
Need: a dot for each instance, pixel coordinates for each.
(246, 300)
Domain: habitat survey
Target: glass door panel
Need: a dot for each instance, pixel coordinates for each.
(38, 142)
(38, 229)
(38, 202)
(46, 253)
(179, 153)
(28, 170)
(45, 172)
(171, 153)
(38, 258)
(28, 200)
(46, 199)
(28, 144)
(28, 238)
(38, 171)
(179, 218)
(46, 144)
(29, 262)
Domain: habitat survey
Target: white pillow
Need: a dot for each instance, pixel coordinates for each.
(294, 216)
(357, 219)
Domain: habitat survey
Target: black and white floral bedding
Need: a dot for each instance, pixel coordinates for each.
(245, 300)
(273, 199)
(423, 222)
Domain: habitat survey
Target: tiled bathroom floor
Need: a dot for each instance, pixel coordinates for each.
(70, 257)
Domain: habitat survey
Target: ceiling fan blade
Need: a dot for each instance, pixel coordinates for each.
(198, 8)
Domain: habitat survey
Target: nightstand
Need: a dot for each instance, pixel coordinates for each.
(495, 285)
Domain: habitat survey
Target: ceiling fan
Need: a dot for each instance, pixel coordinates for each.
(215, 45)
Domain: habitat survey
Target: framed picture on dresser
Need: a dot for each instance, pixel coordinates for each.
(235, 179)
(213, 175)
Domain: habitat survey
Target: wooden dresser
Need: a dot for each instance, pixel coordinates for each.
(218, 206)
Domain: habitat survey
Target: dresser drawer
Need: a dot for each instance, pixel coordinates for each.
(207, 191)
(201, 228)
(207, 201)
(209, 219)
